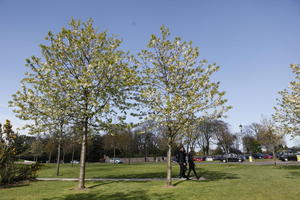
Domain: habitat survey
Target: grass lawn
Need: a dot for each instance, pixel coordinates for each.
(225, 181)
(106, 170)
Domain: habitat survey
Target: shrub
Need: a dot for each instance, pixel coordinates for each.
(9, 171)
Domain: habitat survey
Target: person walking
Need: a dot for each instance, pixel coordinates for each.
(181, 159)
(191, 165)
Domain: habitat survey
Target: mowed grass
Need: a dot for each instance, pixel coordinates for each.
(106, 170)
(224, 181)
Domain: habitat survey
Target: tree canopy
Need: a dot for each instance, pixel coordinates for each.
(288, 107)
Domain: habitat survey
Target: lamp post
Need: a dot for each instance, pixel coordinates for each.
(241, 127)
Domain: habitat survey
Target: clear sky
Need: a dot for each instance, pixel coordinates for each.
(254, 41)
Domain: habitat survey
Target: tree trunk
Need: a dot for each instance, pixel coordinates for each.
(114, 153)
(73, 151)
(274, 157)
(63, 158)
(49, 161)
(81, 184)
(58, 157)
(169, 165)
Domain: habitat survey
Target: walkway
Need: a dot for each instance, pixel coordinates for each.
(113, 179)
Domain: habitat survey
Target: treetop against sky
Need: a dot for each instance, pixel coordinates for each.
(254, 42)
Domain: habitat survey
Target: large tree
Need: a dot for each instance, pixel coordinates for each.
(288, 106)
(177, 85)
(87, 73)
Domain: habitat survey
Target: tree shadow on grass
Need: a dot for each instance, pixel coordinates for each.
(215, 175)
(293, 174)
(99, 184)
(15, 185)
(132, 195)
(208, 175)
(135, 175)
(289, 167)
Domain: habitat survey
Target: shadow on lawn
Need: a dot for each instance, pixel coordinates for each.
(208, 175)
(289, 167)
(132, 195)
(16, 185)
(215, 175)
(292, 173)
(139, 175)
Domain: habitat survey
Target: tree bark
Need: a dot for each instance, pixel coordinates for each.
(169, 164)
(274, 156)
(73, 151)
(63, 158)
(49, 161)
(58, 157)
(81, 184)
(114, 153)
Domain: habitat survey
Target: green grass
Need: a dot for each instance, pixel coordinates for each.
(103, 170)
(233, 182)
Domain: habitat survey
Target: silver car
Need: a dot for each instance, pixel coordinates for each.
(116, 160)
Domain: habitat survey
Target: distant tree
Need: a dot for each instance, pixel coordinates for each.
(253, 129)
(36, 149)
(287, 113)
(224, 138)
(50, 148)
(206, 130)
(251, 144)
(270, 136)
(95, 149)
(177, 85)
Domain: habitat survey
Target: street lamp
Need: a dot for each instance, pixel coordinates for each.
(241, 127)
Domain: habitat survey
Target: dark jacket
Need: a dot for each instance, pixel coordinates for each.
(181, 156)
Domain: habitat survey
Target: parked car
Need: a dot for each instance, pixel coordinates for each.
(232, 158)
(268, 156)
(116, 161)
(74, 162)
(218, 157)
(209, 158)
(258, 156)
(288, 156)
(198, 159)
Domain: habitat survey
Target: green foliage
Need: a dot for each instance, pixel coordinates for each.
(177, 84)
(251, 144)
(9, 171)
(82, 78)
(14, 173)
(288, 107)
(177, 87)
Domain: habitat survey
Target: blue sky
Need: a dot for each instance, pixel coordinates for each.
(254, 41)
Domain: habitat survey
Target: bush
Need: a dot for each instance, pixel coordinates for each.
(9, 171)
(13, 173)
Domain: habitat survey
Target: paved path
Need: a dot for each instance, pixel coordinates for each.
(113, 179)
